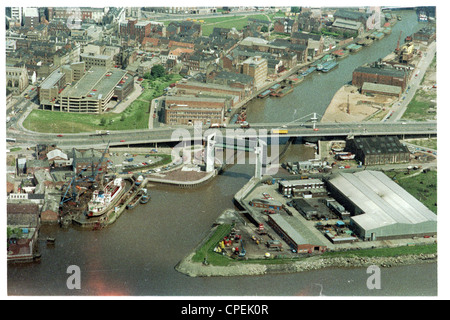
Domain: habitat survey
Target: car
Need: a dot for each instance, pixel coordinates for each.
(315, 129)
(122, 140)
(59, 135)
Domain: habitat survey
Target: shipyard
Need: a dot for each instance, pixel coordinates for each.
(225, 142)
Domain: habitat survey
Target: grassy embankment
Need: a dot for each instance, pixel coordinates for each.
(135, 116)
(423, 105)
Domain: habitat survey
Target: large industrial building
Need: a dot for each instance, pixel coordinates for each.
(378, 150)
(380, 208)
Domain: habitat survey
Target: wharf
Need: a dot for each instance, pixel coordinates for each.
(114, 213)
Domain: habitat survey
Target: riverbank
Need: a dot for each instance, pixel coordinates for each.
(348, 105)
(196, 269)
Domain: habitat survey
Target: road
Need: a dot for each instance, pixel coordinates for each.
(174, 134)
(414, 84)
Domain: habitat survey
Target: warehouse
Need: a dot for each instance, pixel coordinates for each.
(378, 150)
(380, 208)
(384, 89)
(299, 242)
(307, 210)
(302, 188)
(266, 204)
(380, 75)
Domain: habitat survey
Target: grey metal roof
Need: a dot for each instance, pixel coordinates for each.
(384, 202)
(288, 229)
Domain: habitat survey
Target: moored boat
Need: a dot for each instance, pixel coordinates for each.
(346, 156)
(308, 71)
(330, 65)
(135, 200)
(264, 93)
(139, 180)
(102, 200)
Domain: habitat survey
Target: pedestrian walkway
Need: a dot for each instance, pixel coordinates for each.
(133, 96)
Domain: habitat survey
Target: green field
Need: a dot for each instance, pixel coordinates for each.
(423, 186)
(418, 107)
(135, 116)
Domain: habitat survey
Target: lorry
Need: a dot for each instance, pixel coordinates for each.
(100, 133)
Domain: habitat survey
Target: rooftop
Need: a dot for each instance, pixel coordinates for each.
(95, 83)
(380, 145)
(384, 202)
(52, 79)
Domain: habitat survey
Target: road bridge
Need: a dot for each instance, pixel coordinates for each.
(410, 129)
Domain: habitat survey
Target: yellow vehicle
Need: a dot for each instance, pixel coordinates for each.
(280, 131)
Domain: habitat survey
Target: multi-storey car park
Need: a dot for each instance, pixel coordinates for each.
(91, 94)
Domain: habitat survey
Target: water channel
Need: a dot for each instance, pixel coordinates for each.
(136, 256)
(315, 93)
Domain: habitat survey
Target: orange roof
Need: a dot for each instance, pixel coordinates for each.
(178, 51)
(173, 43)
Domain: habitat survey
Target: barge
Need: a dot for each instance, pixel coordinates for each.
(308, 71)
(328, 66)
(264, 93)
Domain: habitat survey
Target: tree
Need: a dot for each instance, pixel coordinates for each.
(158, 71)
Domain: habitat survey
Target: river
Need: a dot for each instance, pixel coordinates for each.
(315, 93)
(136, 255)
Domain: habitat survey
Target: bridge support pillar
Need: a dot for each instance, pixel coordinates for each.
(210, 152)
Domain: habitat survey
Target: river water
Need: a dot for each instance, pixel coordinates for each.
(315, 93)
(136, 256)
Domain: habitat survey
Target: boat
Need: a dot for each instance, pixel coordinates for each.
(346, 156)
(136, 199)
(145, 197)
(286, 90)
(275, 87)
(329, 66)
(102, 200)
(308, 71)
(139, 180)
(423, 17)
(264, 93)
(337, 147)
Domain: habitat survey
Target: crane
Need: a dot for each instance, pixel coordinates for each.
(95, 171)
(72, 183)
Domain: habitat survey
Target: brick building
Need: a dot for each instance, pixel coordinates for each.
(381, 75)
(285, 25)
(257, 68)
(189, 109)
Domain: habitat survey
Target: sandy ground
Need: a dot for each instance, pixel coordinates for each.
(348, 105)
